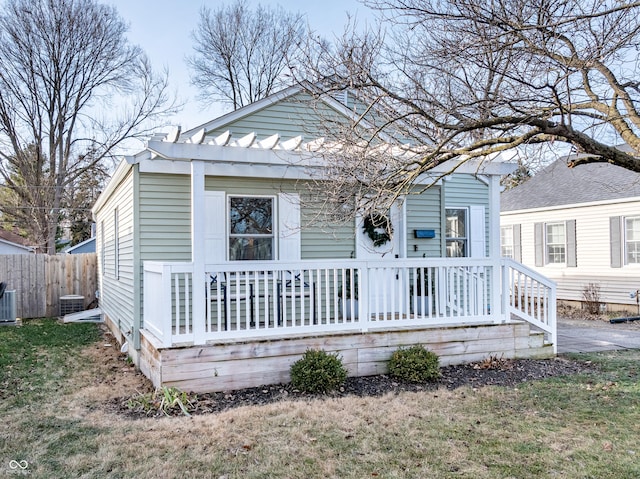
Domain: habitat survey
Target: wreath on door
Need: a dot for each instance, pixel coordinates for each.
(378, 228)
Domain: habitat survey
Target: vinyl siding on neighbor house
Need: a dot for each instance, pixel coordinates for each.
(115, 244)
(593, 250)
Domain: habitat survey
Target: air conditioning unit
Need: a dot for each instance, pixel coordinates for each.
(8, 307)
(71, 303)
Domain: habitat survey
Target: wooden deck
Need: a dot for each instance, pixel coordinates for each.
(228, 366)
(242, 325)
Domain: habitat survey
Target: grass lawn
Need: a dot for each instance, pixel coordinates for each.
(56, 381)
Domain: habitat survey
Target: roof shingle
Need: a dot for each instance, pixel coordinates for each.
(559, 185)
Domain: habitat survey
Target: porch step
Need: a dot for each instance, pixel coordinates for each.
(536, 339)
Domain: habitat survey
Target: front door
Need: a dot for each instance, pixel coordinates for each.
(387, 286)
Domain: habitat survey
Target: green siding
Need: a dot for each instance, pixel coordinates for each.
(297, 115)
(465, 190)
(423, 212)
(322, 240)
(318, 239)
(117, 292)
(165, 217)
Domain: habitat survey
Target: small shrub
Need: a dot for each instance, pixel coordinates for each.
(318, 372)
(165, 400)
(495, 362)
(591, 296)
(414, 364)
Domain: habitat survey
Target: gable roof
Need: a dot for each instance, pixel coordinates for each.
(559, 185)
(289, 93)
(86, 246)
(13, 239)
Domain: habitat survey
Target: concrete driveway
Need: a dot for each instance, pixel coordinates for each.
(581, 336)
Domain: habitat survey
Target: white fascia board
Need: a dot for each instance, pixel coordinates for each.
(117, 177)
(226, 154)
(634, 199)
(222, 168)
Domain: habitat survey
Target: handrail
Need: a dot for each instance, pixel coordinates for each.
(246, 299)
(529, 296)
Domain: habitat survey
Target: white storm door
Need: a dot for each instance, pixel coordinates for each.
(388, 286)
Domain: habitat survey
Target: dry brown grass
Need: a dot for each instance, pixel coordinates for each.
(580, 428)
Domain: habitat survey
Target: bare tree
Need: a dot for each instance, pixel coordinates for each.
(66, 71)
(242, 55)
(462, 79)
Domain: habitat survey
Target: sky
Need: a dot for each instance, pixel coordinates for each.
(163, 29)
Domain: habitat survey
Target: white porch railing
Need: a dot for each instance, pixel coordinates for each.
(267, 299)
(528, 295)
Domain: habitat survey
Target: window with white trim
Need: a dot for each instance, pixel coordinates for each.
(555, 243)
(506, 241)
(251, 228)
(457, 232)
(632, 240)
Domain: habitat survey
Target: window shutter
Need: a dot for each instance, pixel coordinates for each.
(572, 253)
(215, 227)
(615, 235)
(517, 244)
(538, 239)
(289, 226)
(477, 232)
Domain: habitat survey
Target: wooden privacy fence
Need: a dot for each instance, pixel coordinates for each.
(40, 280)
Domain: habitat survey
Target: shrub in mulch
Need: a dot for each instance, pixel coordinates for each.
(491, 372)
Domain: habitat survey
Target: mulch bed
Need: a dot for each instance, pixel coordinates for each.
(491, 372)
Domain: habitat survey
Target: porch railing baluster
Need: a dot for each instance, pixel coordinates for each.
(262, 299)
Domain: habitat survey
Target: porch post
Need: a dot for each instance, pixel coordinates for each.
(494, 248)
(198, 251)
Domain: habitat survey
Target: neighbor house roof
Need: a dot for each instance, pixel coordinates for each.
(559, 185)
(86, 246)
(14, 239)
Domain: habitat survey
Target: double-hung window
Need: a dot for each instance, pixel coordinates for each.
(632, 240)
(457, 232)
(251, 228)
(556, 243)
(506, 241)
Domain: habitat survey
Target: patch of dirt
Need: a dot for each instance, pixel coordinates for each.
(109, 375)
(491, 372)
(578, 317)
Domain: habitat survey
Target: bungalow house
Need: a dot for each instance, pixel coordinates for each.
(579, 227)
(214, 271)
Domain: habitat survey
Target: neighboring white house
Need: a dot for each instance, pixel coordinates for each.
(578, 226)
(11, 243)
(215, 270)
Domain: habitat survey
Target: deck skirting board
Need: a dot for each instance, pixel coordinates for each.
(225, 367)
